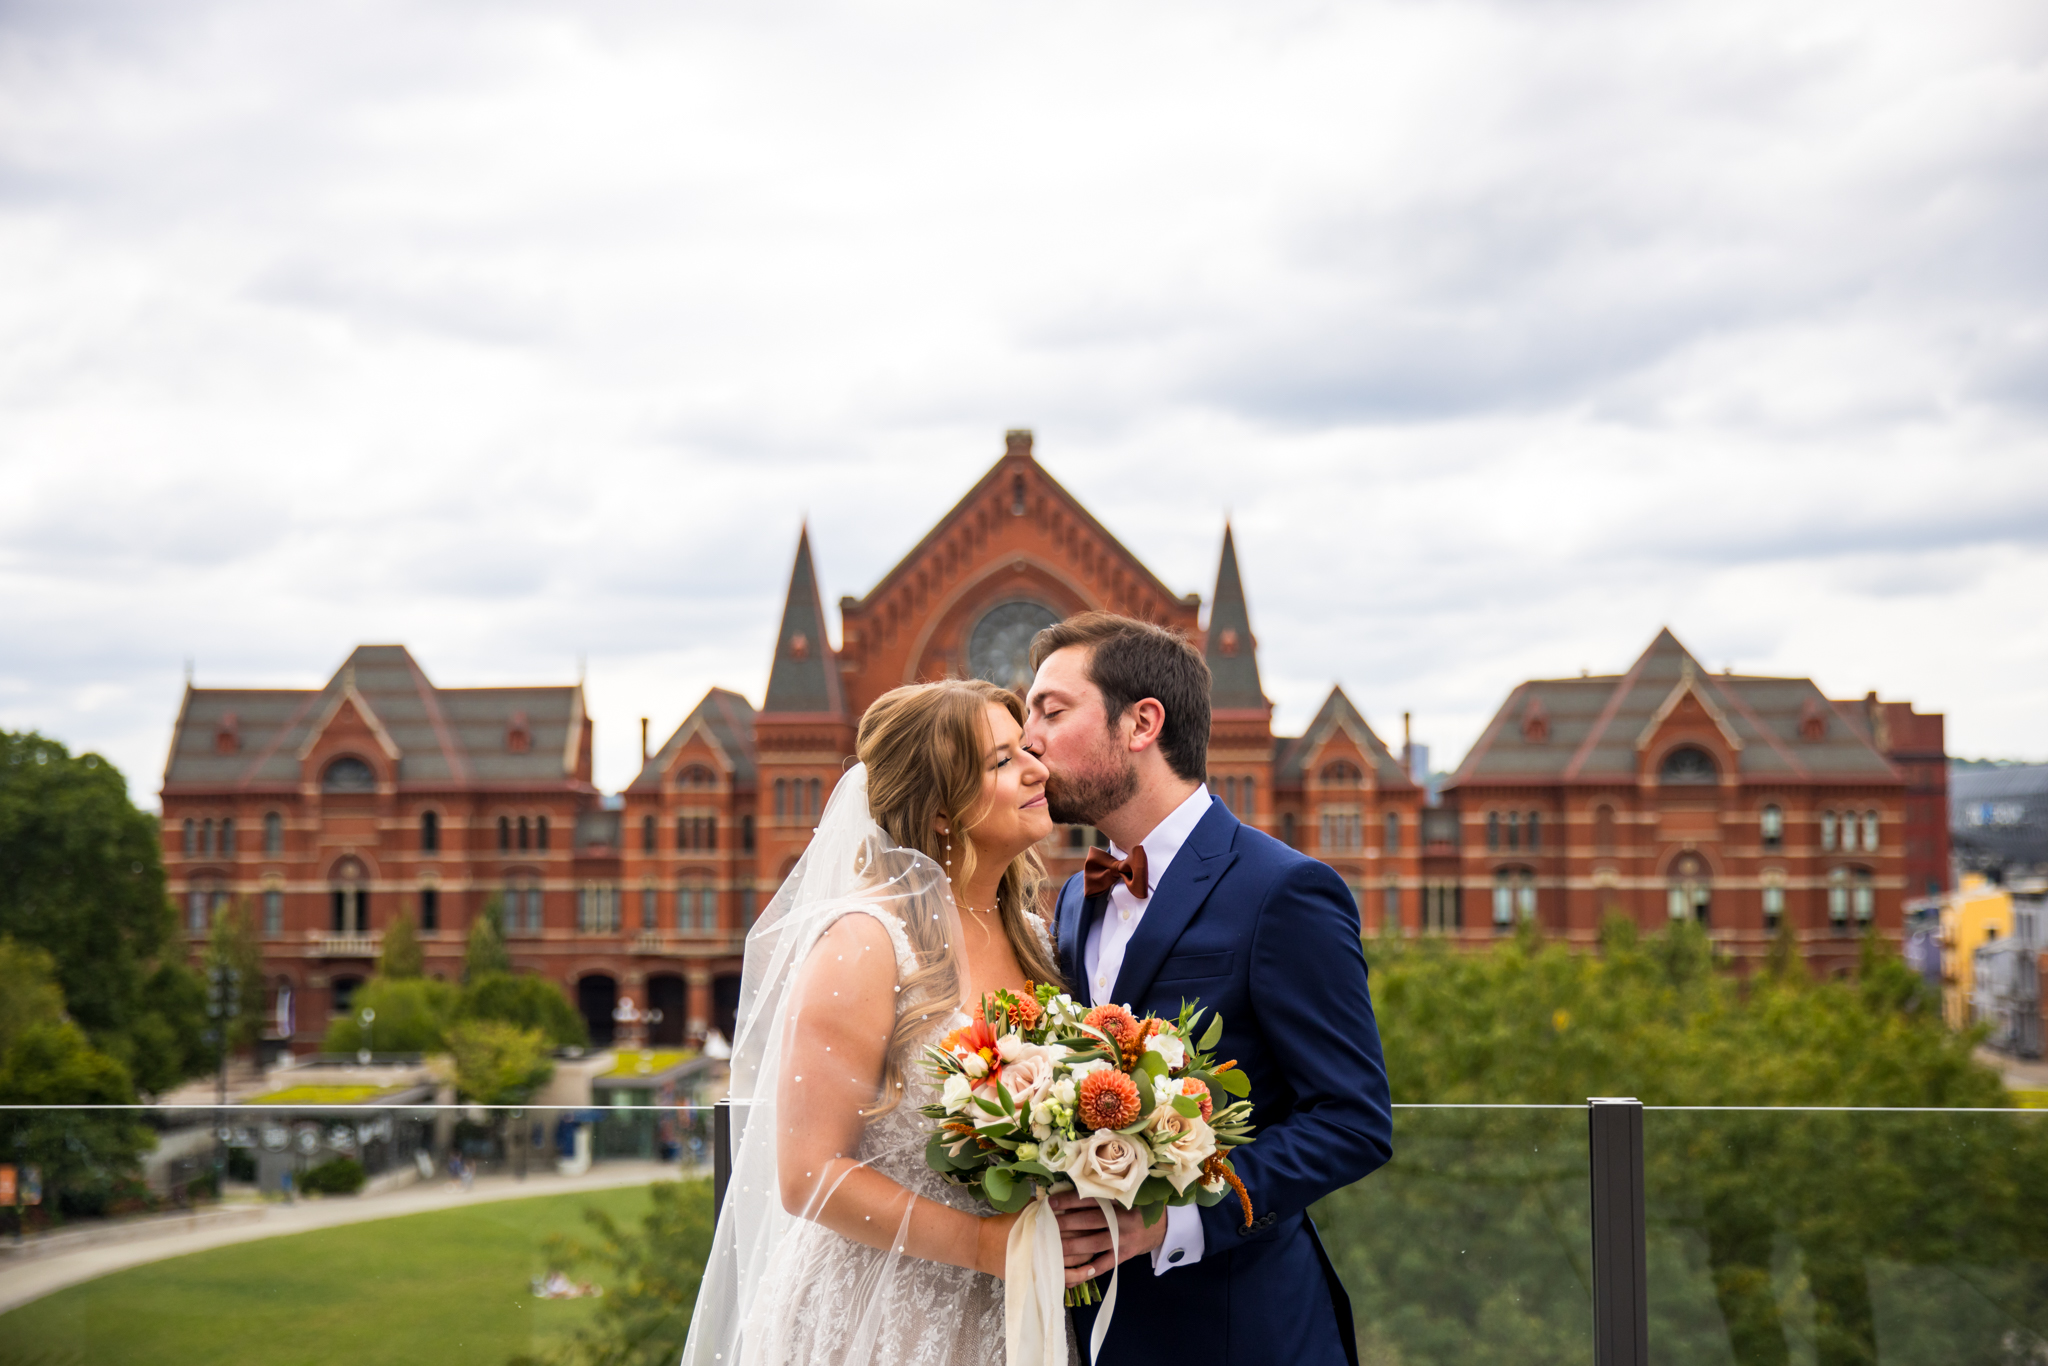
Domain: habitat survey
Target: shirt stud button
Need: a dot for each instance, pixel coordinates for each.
(1176, 1254)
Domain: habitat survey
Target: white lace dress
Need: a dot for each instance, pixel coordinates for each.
(830, 1300)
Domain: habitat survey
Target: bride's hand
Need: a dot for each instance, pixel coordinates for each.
(992, 1244)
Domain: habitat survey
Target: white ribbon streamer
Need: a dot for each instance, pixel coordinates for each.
(1109, 1299)
(1034, 1289)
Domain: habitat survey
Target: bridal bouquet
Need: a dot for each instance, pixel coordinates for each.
(1039, 1095)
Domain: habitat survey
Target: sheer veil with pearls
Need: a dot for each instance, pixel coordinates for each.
(849, 867)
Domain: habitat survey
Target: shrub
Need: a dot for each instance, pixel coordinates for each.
(336, 1176)
(528, 1002)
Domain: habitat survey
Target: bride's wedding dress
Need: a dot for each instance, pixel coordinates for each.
(779, 1289)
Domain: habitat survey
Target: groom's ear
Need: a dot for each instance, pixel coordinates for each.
(1143, 722)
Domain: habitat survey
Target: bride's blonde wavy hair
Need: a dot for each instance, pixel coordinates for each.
(923, 747)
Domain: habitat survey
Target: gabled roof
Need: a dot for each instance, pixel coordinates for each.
(1596, 725)
(726, 721)
(805, 676)
(438, 736)
(1292, 757)
(1017, 456)
(1229, 647)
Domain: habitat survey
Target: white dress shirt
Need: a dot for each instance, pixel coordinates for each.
(1103, 956)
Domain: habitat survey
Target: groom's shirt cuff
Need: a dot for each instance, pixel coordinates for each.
(1184, 1243)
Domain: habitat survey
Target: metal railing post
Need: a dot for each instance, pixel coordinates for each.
(1621, 1295)
(721, 1155)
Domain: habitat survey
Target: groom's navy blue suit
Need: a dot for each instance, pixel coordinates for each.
(1268, 938)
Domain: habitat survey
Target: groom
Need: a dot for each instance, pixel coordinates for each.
(1190, 903)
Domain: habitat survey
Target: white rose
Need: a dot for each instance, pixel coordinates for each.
(1082, 1069)
(1013, 1047)
(1055, 1153)
(955, 1093)
(1109, 1166)
(1063, 1092)
(1171, 1051)
(1029, 1077)
(976, 1065)
(1180, 1145)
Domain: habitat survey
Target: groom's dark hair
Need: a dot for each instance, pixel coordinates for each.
(1129, 660)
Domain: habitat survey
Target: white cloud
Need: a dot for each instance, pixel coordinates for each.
(1507, 332)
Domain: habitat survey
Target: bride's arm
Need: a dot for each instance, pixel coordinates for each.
(843, 1007)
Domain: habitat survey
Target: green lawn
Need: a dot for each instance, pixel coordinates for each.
(445, 1289)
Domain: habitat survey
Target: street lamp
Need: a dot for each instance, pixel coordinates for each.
(368, 1018)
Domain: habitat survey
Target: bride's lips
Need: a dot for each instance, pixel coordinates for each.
(1039, 800)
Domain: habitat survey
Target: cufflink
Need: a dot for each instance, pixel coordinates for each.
(1176, 1254)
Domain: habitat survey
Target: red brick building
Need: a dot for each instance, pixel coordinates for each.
(331, 811)
(1671, 792)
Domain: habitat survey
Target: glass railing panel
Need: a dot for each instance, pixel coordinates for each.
(350, 1234)
(1847, 1236)
(1474, 1243)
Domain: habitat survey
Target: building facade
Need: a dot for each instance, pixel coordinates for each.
(1748, 804)
(329, 812)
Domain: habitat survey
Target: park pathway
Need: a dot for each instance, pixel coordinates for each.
(27, 1278)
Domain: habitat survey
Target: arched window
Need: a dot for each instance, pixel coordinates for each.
(1390, 839)
(1514, 897)
(273, 912)
(504, 834)
(430, 910)
(1493, 829)
(206, 836)
(191, 836)
(746, 834)
(1342, 773)
(348, 774)
(430, 832)
(650, 916)
(203, 901)
(1514, 829)
(273, 833)
(1862, 896)
(1688, 764)
(1827, 830)
(1535, 830)
(697, 778)
(781, 795)
(817, 805)
(1287, 835)
(1869, 833)
(1771, 825)
(1690, 894)
(523, 905)
(1390, 907)
(525, 834)
(1244, 791)
(350, 898)
(1774, 898)
(227, 833)
(540, 832)
(1603, 829)
(647, 838)
(1838, 898)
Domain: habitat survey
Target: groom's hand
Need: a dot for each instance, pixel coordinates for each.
(1084, 1236)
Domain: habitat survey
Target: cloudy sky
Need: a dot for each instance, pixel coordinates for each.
(1504, 332)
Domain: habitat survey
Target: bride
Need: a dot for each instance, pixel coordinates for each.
(917, 894)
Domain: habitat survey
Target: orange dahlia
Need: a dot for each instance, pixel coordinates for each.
(1027, 1012)
(1114, 1021)
(1199, 1089)
(1108, 1099)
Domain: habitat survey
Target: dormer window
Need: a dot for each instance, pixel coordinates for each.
(1018, 504)
(227, 737)
(1813, 721)
(799, 646)
(1227, 643)
(349, 774)
(1688, 764)
(1535, 722)
(519, 734)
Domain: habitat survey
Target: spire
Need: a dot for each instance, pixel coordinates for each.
(1231, 651)
(805, 677)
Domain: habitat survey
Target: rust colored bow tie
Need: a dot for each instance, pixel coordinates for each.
(1104, 871)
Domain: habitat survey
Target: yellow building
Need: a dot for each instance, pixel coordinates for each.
(1971, 916)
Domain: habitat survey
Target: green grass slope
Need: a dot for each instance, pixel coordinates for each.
(444, 1288)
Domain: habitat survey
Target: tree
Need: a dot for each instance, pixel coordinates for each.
(232, 947)
(650, 1277)
(411, 1015)
(81, 877)
(485, 952)
(401, 955)
(528, 1002)
(87, 1157)
(498, 1063)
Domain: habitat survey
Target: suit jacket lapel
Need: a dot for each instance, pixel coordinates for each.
(1190, 878)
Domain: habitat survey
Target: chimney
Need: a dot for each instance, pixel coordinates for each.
(1407, 734)
(643, 742)
(1017, 441)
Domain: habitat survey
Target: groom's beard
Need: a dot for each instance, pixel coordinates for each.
(1084, 796)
